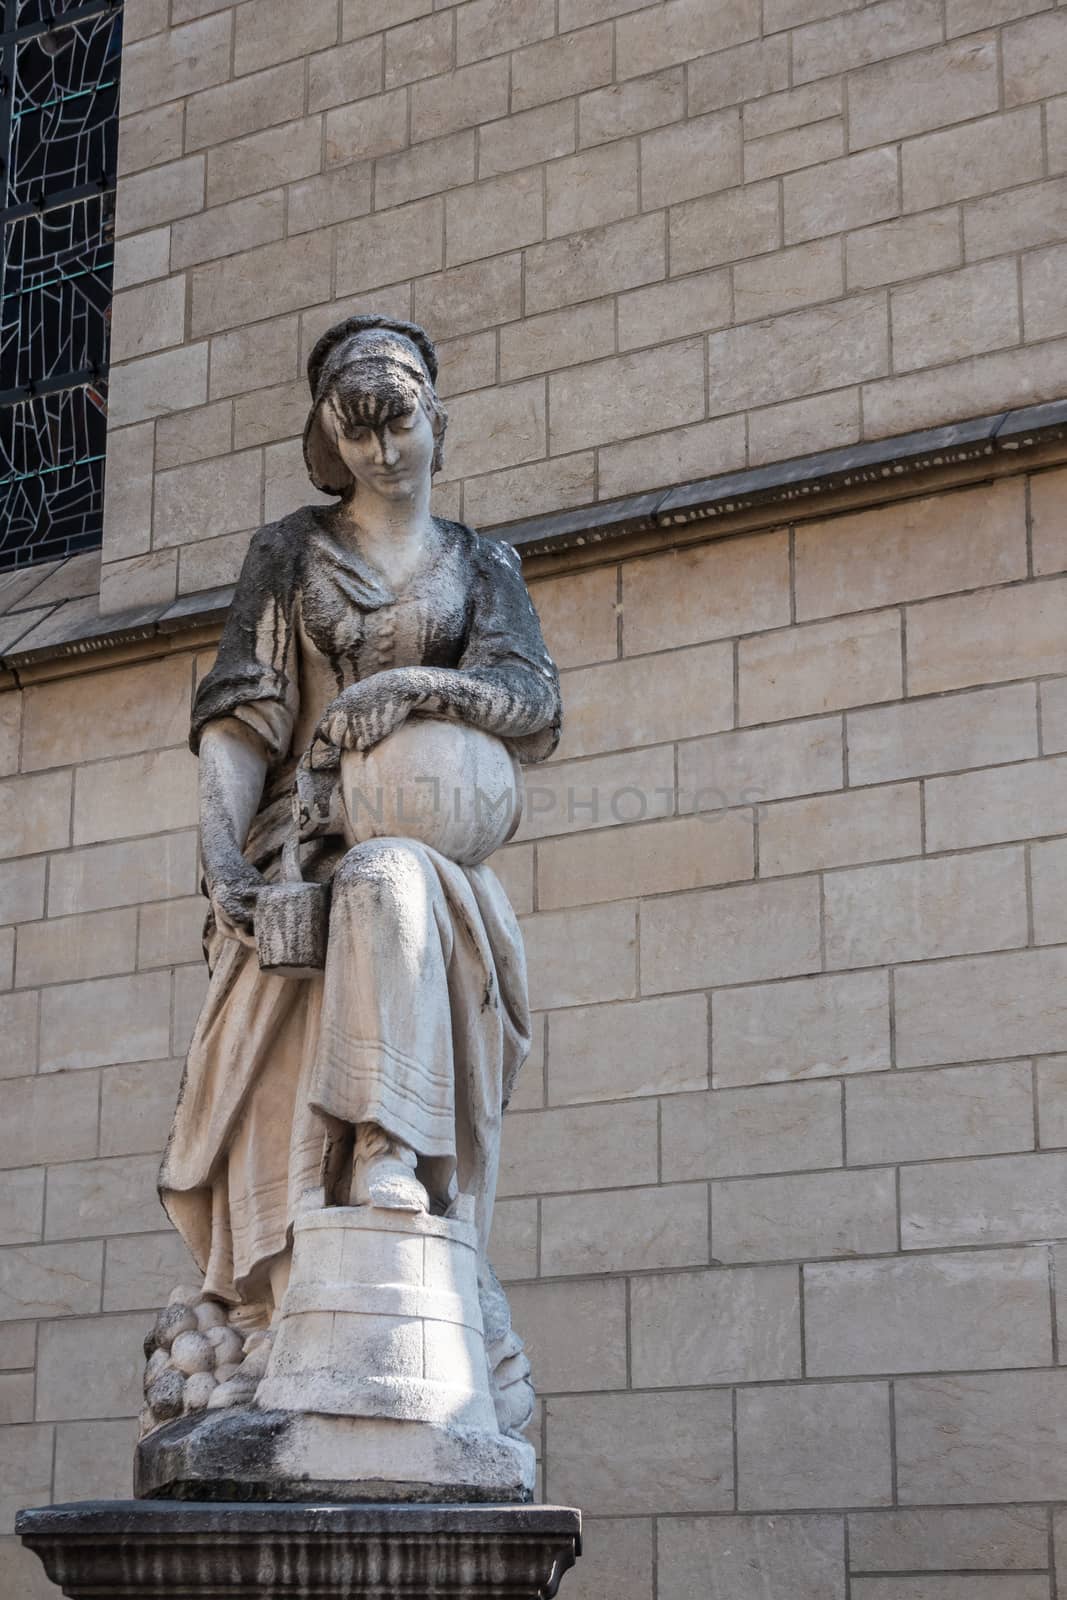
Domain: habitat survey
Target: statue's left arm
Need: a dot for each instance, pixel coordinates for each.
(505, 683)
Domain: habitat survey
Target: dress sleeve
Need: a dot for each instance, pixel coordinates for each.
(255, 677)
(505, 642)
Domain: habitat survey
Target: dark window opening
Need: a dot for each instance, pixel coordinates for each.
(59, 84)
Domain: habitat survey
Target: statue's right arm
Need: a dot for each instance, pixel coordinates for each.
(233, 769)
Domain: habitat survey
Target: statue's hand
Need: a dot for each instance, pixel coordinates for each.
(365, 713)
(234, 893)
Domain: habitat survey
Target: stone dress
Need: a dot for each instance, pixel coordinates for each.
(279, 1068)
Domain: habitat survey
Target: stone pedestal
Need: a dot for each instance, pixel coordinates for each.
(138, 1550)
(377, 1386)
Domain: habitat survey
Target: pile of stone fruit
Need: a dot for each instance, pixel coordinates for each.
(197, 1359)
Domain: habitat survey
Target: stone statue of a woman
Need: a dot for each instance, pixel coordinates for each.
(380, 677)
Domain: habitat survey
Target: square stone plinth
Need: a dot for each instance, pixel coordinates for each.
(153, 1550)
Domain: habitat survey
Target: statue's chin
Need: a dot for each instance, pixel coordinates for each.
(441, 783)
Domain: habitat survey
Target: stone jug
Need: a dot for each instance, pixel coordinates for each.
(293, 920)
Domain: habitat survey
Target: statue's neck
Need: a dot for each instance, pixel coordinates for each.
(393, 535)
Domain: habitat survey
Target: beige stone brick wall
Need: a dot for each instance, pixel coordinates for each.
(656, 241)
(785, 1180)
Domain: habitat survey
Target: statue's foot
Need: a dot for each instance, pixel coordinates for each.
(387, 1180)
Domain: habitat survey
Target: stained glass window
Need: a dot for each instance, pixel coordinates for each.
(59, 72)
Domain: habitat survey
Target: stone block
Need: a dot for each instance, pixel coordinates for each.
(893, 99)
(362, 17)
(614, 1052)
(490, 27)
(97, 1453)
(733, 1325)
(798, 1218)
(997, 1200)
(981, 1007)
(421, 49)
(672, 854)
(135, 795)
(259, 283)
(148, 318)
(140, 1272)
(794, 148)
(970, 388)
(25, 1471)
(380, 248)
(1052, 698)
(623, 1230)
(954, 315)
(1033, 59)
(103, 1197)
(18, 1345)
(160, 195)
(1019, 219)
(150, 138)
(516, 412)
(542, 486)
(147, 255)
(252, 358)
(575, 1334)
(1051, 1083)
(122, 874)
(796, 672)
(598, 793)
(579, 615)
(927, 736)
(913, 550)
(108, 1347)
(711, 937)
(871, 33)
(616, 1559)
(432, 167)
(597, 261)
(760, 764)
(1044, 303)
(983, 1309)
(919, 910)
(825, 347)
(514, 1240)
(106, 714)
(1005, 633)
(51, 1280)
(595, 186)
(751, 1558)
(340, 76)
(35, 813)
(247, 105)
(171, 932)
(954, 1111)
(666, 310)
(790, 278)
(835, 196)
(21, 1205)
(675, 457)
(226, 230)
(367, 128)
(22, 889)
(702, 592)
(205, 499)
(269, 31)
(137, 1106)
(909, 247)
(500, 214)
(696, 157)
(1047, 493)
(567, 65)
(45, 1119)
(128, 514)
(1034, 1587)
(526, 137)
(192, 435)
(16, 1397)
(468, 298)
(622, 109)
(156, 385)
(177, 62)
(268, 415)
(980, 1438)
(746, 72)
(18, 1034)
(461, 99)
(105, 1020)
(677, 695)
(587, 1147)
(825, 1445)
(793, 108)
(836, 830)
(997, 803)
(636, 1454)
(742, 1132)
(725, 227)
(932, 1539)
(946, 166)
(606, 401)
(682, 29)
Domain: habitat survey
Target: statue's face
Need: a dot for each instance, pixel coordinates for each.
(391, 459)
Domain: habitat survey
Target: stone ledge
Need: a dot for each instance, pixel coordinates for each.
(153, 1550)
(806, 486)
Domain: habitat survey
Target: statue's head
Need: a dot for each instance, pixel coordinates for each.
(375, 417)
